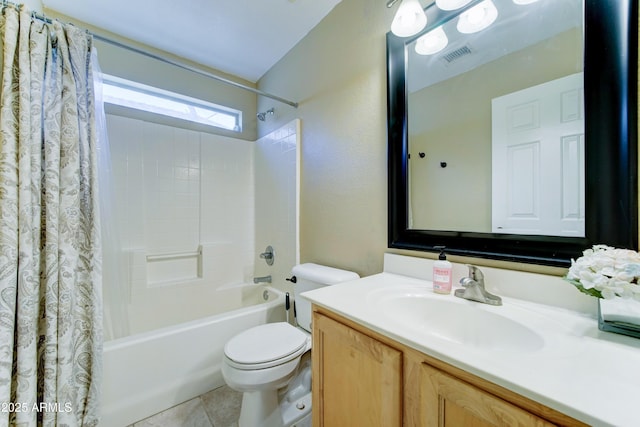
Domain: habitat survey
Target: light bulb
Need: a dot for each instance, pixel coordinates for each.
(477, 18)
(452, 4)
(410, 19)
(432, 42)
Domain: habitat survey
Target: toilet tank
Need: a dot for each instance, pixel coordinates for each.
(311, 276)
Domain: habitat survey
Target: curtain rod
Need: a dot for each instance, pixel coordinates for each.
(194, 69)
(178, 64)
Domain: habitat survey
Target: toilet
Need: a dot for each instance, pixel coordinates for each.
(271, 364)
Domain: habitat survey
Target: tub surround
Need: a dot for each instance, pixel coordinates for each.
(568, 367)
(195, 206)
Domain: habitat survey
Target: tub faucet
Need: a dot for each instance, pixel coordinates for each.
(263, 279)
(473, 288)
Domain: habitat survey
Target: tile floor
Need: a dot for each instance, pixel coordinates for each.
(217, 408)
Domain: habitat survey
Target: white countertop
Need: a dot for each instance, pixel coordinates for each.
(588, 374)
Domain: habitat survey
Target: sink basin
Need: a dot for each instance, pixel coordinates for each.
(456, 320)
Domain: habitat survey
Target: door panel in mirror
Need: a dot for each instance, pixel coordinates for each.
(538, 160)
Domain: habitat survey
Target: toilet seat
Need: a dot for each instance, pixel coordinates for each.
(266, 346)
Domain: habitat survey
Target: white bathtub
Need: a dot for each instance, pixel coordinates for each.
(152, 371)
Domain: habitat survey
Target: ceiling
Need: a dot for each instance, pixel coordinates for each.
(244, 38)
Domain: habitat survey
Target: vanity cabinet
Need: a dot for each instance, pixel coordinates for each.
(357, 378)
(363, 378)
(450, 402)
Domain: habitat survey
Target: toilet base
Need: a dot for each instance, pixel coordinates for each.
(260, 409)
(295, 403)
(287, 407)
(297, 413)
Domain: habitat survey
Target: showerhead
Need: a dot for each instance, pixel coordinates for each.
(262, 116)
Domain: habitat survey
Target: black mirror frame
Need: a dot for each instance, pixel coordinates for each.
(611, 113)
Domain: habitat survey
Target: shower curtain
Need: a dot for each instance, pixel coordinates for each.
(115, 263)
(50, 242)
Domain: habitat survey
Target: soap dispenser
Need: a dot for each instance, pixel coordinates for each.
(442, 270)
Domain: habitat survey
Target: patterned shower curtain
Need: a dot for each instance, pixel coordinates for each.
(50, 256)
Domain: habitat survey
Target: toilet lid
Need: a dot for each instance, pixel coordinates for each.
(265, 343)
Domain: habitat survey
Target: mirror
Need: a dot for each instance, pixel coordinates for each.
(513, 99)
(448, 182)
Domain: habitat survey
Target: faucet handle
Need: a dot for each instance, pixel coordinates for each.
(268, 255)
(475, 273)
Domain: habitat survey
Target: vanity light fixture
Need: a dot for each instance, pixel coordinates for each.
(410, 18)
(477, 18)
(432, 42)
(452, 4)
(524, 1)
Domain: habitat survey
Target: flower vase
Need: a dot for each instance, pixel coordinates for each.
(620, 316)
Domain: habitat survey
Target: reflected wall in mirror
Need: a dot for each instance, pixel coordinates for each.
(512, 111)
(494, 149)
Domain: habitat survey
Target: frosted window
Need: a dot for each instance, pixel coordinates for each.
(147, 98)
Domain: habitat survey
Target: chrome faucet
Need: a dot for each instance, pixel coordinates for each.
(263, 279)
(473, 288)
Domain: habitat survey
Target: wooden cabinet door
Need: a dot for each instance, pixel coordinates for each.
(450, 402)
(357, 380)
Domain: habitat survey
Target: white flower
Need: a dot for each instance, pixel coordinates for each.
(608, 294)
(607, 272)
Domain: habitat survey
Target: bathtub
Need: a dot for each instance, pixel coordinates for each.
(149, 372)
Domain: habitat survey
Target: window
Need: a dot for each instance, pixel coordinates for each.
(147, 98)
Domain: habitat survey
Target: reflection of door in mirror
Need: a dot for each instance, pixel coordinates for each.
(450, 113)
(538, 160)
